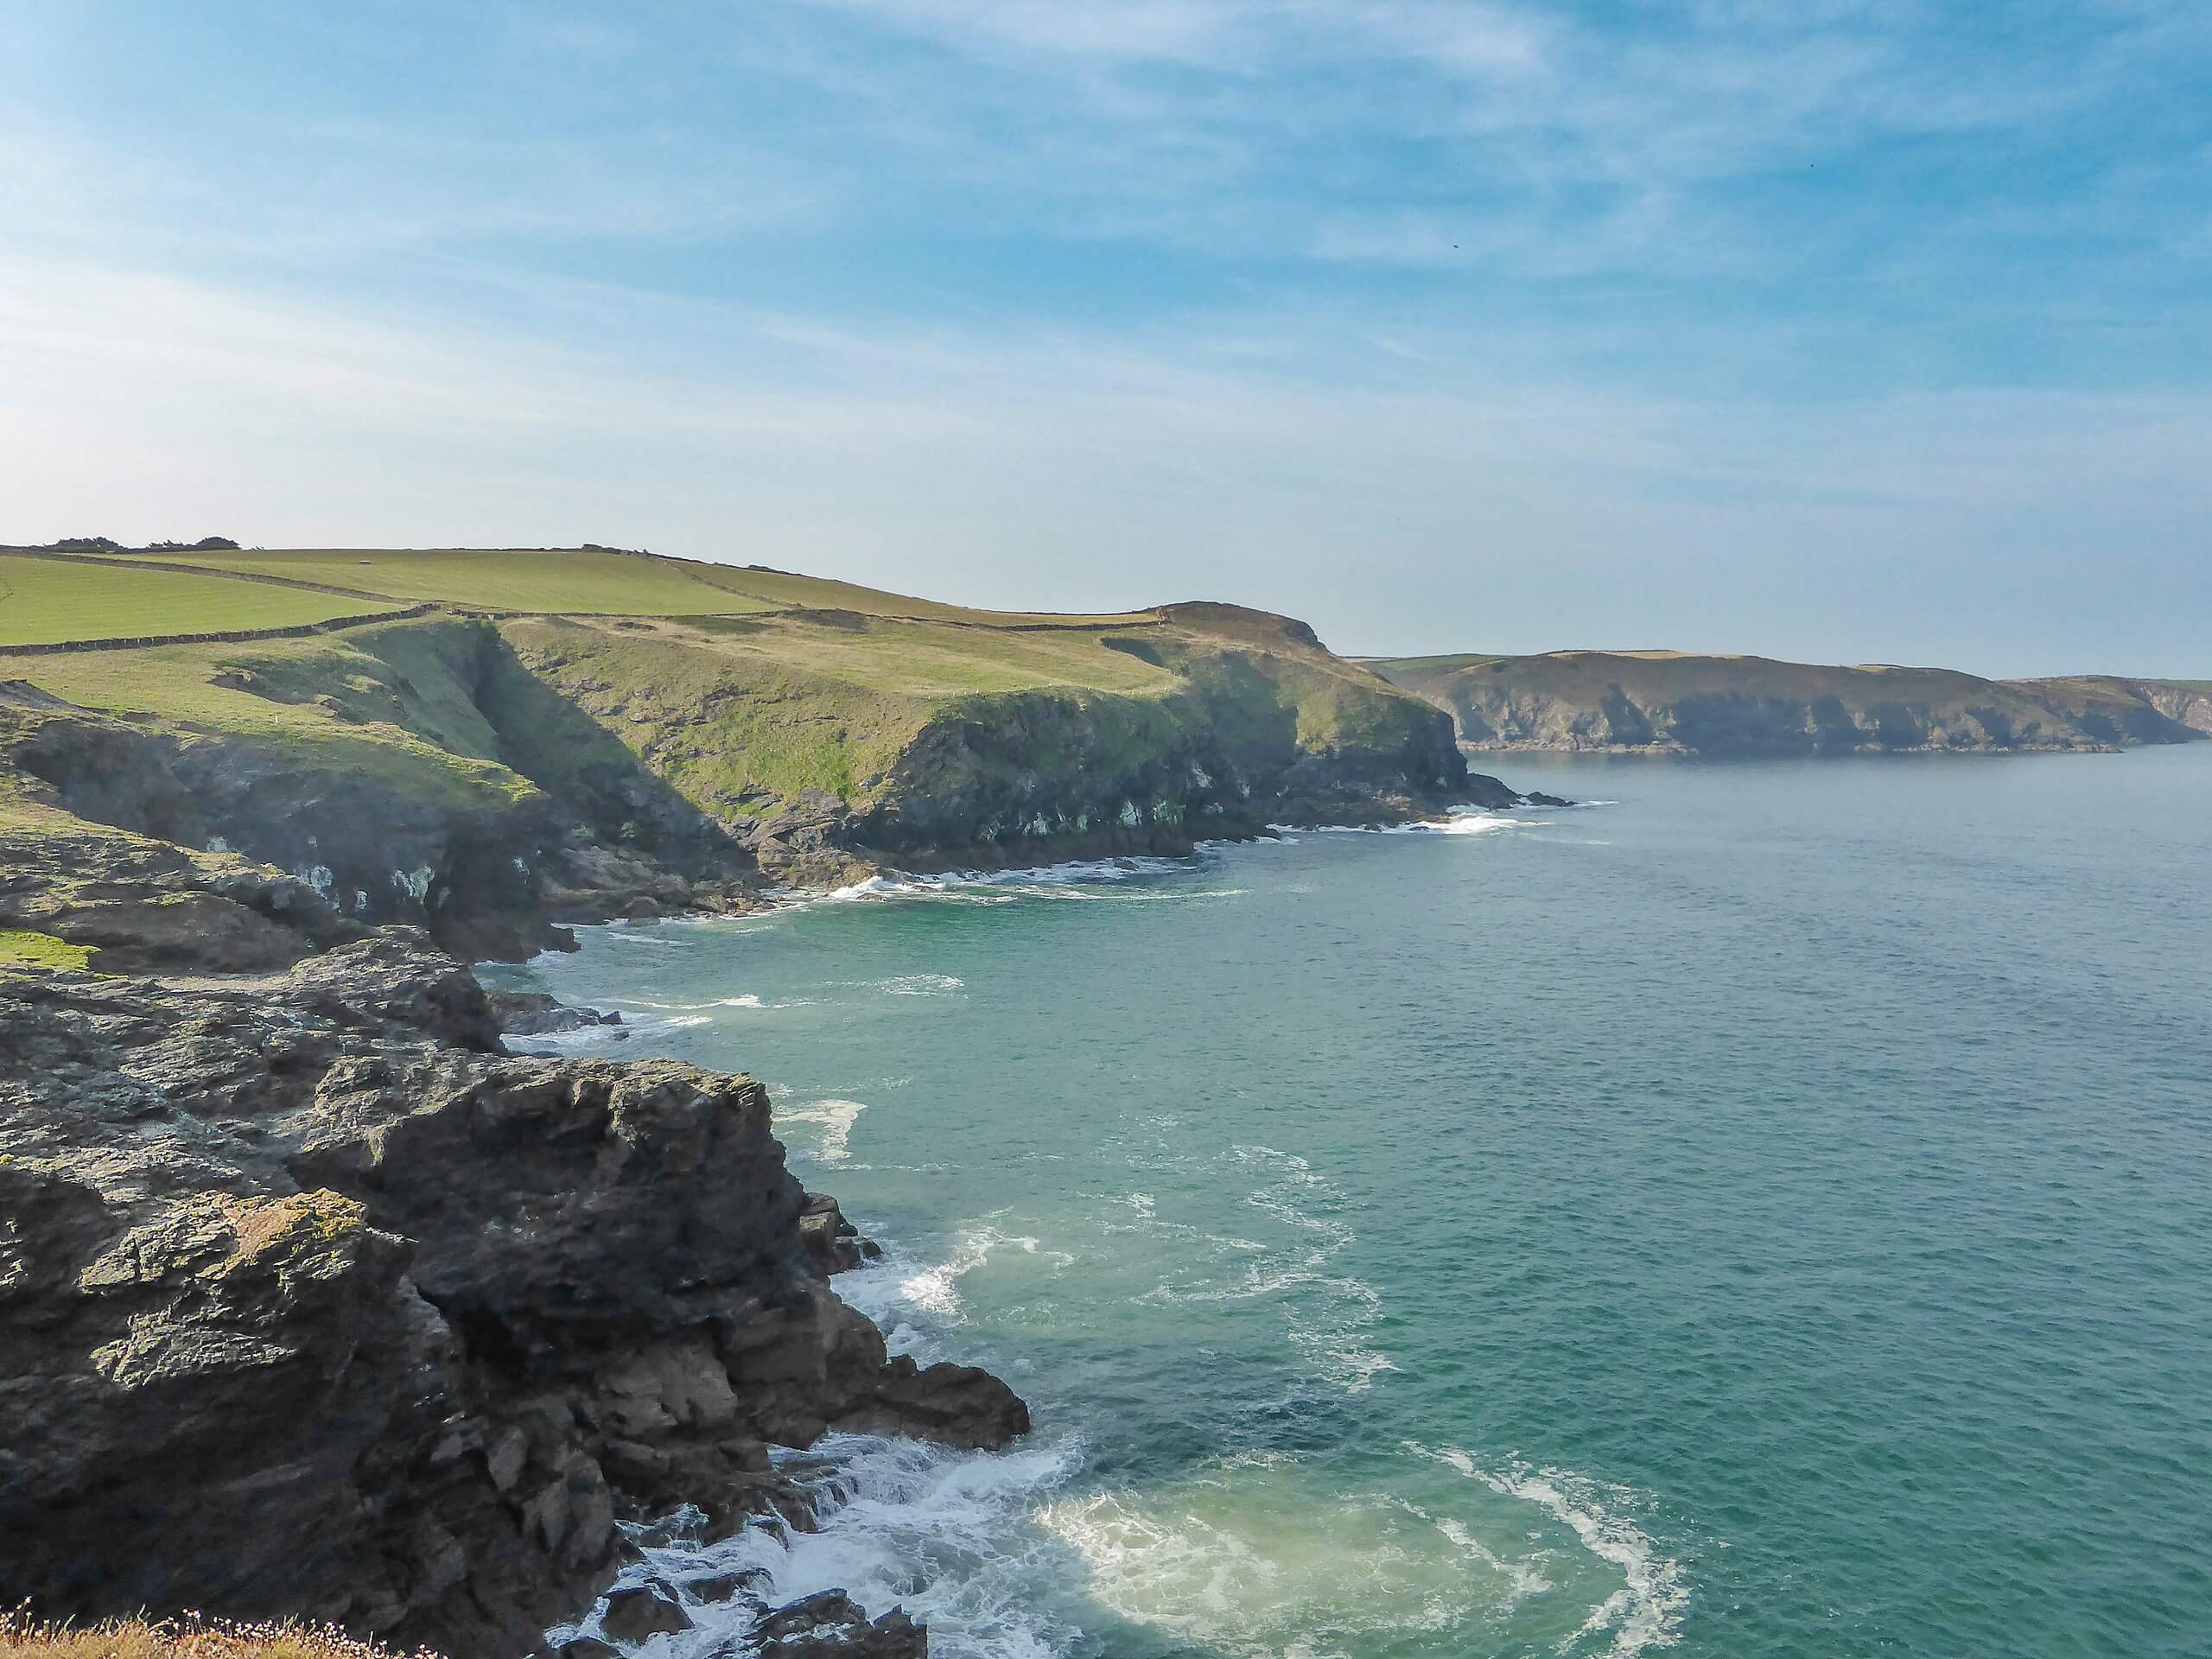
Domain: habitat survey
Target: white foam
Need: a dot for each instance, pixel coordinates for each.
(1525, 1580)
(961, 884)
(935, 1289)
(834, 1118)
(1646, 1611)
(1326, 1311)
(1459, 821)
(582, 1036)
(898, 1524)
(1254, 1555)
(922, 984)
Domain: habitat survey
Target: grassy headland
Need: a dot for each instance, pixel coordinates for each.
(562, 722)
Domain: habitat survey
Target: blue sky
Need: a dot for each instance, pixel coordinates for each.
(1856, 331)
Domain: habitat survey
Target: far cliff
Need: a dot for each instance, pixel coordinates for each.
(1664, 702)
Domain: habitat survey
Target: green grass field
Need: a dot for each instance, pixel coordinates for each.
(741, 688)
(590, 581)
(782, 588)
(45, 602)
(48, 602)
(579, 581)
(908, 657)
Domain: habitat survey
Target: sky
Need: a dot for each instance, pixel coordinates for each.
(1848, 332)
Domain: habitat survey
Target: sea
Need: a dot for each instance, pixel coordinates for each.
(1764, 1208)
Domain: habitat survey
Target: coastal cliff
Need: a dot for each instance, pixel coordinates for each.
(487, 773)
(313, 1300)
(1655, 701)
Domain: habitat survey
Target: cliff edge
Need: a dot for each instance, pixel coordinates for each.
(490, 769)
(313, 1300)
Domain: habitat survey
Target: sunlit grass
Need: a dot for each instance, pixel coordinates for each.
(45, 602)
(20, 948)
(187, 1637)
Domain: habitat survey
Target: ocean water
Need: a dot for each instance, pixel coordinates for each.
(1768, 1212)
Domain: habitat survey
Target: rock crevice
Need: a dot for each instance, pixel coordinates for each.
(314, 1301)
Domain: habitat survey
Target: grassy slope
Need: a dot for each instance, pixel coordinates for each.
(1400, 669)
(741, 714)
(592, 581)
(738, 707)
(46, 601)
(334, 700)
(563, 581)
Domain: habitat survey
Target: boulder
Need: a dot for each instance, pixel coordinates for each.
(831, 1622)
(637, 1610)
(533, 1013)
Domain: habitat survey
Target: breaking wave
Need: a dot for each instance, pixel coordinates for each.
(834, 1119)
(898, 1523)
(981, 887)
(1646, 1611)
(1458, 823)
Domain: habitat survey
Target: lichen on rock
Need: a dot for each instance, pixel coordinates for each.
(313, 1301)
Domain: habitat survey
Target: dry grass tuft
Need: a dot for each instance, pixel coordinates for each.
(190, 1636)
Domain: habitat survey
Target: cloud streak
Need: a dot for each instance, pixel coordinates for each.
(1444, 324)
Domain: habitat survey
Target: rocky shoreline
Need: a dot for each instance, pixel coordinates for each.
(313, 1300)
(318, 1296)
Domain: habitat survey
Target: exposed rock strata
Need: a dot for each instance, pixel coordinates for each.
(313, 1301)
(504, 805)
(487, 872)
(1658, 702)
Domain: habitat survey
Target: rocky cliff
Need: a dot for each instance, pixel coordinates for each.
(489, 777)
(313, 1300)
(2124, 712)
(1664, 701)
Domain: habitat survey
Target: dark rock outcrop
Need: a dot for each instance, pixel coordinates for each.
(637, 1610)
(534, 1014)
(312, 1300)
(833, 1244)
(832, 1623)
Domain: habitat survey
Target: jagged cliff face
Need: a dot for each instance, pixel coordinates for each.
(1659, 702)
(312, 1300)
(486, 781)
(823, 734)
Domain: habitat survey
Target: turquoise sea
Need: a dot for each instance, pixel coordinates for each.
(1766, 1210)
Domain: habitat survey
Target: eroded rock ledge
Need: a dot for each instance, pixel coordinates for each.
(314, 1301)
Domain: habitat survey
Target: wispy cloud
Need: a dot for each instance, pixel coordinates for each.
(1384, 310)
(1085, 468)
